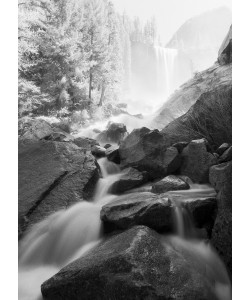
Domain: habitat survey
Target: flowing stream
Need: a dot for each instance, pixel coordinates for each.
(68, 234)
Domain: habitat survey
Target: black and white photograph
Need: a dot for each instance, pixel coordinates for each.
(124, 140)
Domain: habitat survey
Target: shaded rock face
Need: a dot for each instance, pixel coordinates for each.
(130, 265)
(114, 134)
(98, 151)
(221, 178)
(138, 209)
(130, 179)
(112, 154)
(225, 52)
(226, 156)
(52, 176)
(169, 183)
(146, 150)
(196, 161)
(222, 148)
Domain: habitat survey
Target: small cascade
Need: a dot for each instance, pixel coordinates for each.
(63, 237)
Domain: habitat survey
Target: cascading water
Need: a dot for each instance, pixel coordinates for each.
(63, 237)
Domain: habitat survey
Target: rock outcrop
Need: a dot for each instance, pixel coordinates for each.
(131, 265)
(130, 179)
(196, 161)
(52, 176)
(146, 150)
(169, 183)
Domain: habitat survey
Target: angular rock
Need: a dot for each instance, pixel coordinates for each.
(222, 148)
(98, 151)
(52, 176)
(146, 208)
(146, 150)
(131, 265)
(197, 161)
(114, 134)
(130, 179)
(85, 143)
(225, 52)
(112, 154)
(226, 156)
(169, 183)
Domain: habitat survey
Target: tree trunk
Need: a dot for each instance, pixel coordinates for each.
(102, 95)
(90, 83)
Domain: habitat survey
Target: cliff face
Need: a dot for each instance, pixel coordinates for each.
(202, 107)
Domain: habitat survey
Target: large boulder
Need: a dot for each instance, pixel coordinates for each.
(115, 133)
(146, 150)
(221, 178)
(169, 183)
(52, 176)
(130, 179)
(131, 265)
(138, 209)
(196, 161)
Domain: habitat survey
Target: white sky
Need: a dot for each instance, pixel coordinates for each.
(170, 14)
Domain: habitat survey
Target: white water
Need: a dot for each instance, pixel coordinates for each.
(69, 234)
(63, 237)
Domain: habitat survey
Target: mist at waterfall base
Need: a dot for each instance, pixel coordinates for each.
(69, 234)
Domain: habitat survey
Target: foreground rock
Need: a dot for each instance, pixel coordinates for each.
(169, 183)
(130, 179)
(130, 265)
(138, 209)
(221, 178)
(114, 134)
(197, 161)
(52, 176)
(146, 150)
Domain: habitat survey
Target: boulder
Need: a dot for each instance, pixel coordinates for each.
(85, 143)
(63, 125)
(225, 52)
(169, 183)
(130, 179)
(221, 178)
(134, 264)
(154, 211)
(226, 156)
(58, 137)
(146, 150)
(112, 154)
(107, 146)
(196, 161)
(222, 148)
(98, 151)
(115, 133)
(52, 176)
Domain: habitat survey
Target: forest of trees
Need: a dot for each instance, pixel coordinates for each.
(74, 54)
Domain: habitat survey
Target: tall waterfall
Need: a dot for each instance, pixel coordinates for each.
(165, 64)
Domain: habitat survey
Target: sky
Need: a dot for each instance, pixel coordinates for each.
(170, 14)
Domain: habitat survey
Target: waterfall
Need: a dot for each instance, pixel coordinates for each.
(165, 64)
(63, 237)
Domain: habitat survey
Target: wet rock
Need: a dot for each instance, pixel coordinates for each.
(112, 154)
(221, 178)
(146, 208)
(132, 265)
(107, 146)
(226, 156)
(146, 150)
(169, 183)
(52, 176)
(114, 134)
(130, 179)
(222, 148)
(197, 161)
(98, 151)
(85, 143)
(180, 146)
